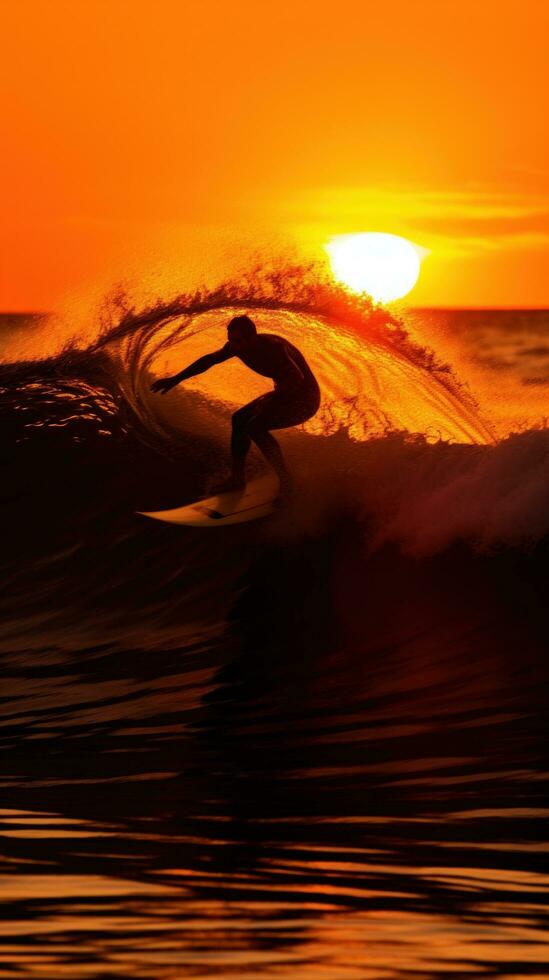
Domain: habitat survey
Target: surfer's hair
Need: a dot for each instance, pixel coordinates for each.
(243, 326)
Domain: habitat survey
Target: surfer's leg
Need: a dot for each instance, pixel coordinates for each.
(271, 450)
(240, 444)
(274, 410)
(241, 439)
(278, 410)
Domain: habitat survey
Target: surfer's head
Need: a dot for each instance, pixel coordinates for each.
(241, 330)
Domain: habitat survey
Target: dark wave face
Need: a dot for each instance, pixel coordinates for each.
(309, 746)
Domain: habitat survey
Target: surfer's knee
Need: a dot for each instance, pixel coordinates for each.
(256, 427)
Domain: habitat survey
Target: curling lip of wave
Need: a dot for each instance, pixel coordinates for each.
(374, 376)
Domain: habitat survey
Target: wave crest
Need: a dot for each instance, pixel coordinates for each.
(375, 377)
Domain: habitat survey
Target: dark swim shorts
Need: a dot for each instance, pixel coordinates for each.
(281, 408)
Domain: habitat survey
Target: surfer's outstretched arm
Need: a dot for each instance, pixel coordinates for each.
(197, 367)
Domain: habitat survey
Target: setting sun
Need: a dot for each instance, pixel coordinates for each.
(384, 266)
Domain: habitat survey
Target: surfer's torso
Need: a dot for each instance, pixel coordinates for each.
(276, 358)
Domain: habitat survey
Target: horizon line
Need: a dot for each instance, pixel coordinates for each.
(493, 309)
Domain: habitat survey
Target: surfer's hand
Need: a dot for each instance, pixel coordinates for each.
(163, 385)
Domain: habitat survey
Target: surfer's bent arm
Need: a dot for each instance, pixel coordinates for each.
(197, 367)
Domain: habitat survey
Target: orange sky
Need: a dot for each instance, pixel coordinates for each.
(146, 136)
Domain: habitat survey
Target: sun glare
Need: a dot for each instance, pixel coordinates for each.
(384, 266)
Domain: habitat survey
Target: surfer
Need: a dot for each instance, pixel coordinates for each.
(295, 398)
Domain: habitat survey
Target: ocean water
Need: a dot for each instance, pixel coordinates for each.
(312, 746)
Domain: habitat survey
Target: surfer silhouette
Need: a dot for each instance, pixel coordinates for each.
(295, 398)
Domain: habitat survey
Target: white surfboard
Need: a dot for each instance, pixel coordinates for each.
(256, 500)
